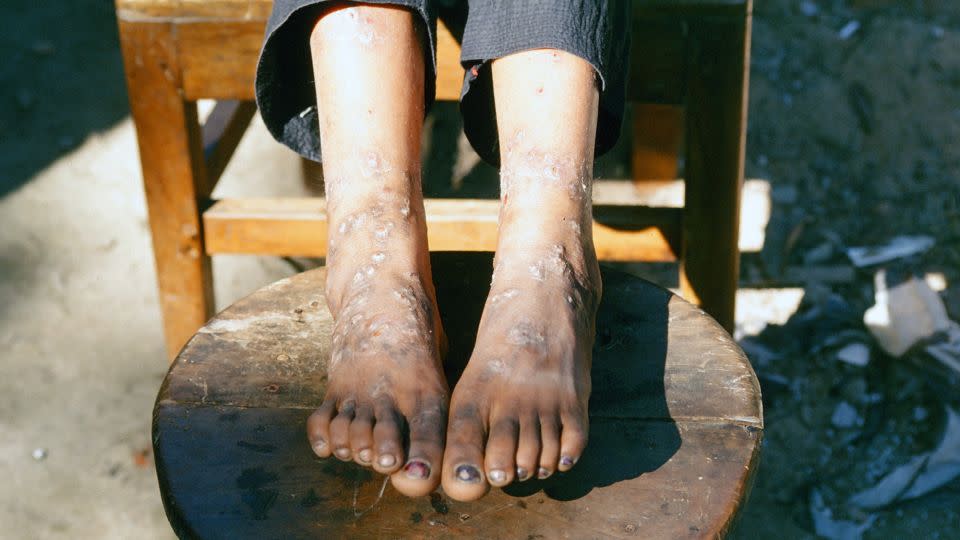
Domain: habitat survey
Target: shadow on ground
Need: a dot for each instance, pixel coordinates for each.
(61, 79)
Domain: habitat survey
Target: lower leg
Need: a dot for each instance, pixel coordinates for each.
(520, 408)
(386, 383)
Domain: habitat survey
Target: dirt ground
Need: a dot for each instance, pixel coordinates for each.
(855, 126)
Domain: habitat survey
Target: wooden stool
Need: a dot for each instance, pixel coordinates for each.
(675, 426)
(685, 53)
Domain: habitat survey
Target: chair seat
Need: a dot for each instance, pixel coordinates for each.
(675, 426)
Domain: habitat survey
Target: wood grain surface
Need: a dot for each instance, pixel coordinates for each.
(676, 426)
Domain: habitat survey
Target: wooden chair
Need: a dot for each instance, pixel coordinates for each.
(675, 426)
(691, 53)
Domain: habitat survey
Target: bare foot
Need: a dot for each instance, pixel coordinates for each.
(386, 401)
(520, 409)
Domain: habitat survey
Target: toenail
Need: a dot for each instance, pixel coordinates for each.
(468, 474)
(567, 461)
(417, 470)
(364, 455)
(497, 476)
(543, 473)
(387, 461)
(522, 474)
(320, 445)
(342, 453)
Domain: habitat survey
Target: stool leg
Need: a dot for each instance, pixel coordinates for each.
(716, 125)
(171, 156)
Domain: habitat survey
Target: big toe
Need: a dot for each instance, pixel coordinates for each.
(421, 472)
(463, 476)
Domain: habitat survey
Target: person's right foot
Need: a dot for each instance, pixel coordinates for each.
(386, 400)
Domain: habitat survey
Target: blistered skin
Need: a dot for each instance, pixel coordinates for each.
(386, 398)
(519, 410)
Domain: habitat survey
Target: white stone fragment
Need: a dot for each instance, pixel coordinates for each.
(898, 247)
(905, 314)
(855, 354)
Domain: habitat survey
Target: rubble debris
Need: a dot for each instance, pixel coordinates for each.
(760, 354)
(904, 314)
(809, 8)
(898, 247)
(919, 476)
(855, 354)
(845, 416)
(891, 487)
(819, 254)
(862, 104)
(948, 351)
(848, 30)
(819, 274)
(833, 529)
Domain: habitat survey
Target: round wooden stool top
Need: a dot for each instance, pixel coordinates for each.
(675, 426)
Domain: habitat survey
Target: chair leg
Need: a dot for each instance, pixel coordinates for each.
(171, 156)
(716, 128)
(657, 134)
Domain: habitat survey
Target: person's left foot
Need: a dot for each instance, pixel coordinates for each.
(519, 411)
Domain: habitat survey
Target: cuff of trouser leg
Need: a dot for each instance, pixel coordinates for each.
(598, 31)
(284, 86)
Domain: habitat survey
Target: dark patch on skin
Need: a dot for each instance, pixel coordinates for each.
(468, 474)
(416, 517)
(522, 505)
(416, 469)
(439, 505)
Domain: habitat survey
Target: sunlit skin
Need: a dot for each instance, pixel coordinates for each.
(520, 409)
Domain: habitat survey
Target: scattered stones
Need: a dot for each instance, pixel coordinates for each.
(898, 247)
(855, 354)
(848, 30)
(808, 8)
(905, 314)
(845, 416)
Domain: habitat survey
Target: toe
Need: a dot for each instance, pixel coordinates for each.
(340, 431)
(549, 446)
(463, 477)
(501, 451)
(387, 439)
(573, 439)
(318, 429)
(420, 474)
(528, 448)
(361, 436)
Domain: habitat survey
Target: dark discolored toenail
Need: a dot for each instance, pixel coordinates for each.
(387, 460)
(522, 474)
(342, 453)
(543, 473)
(364, 455)
(567, 461)
(497, 476)
(417, 470)
(468, 474)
